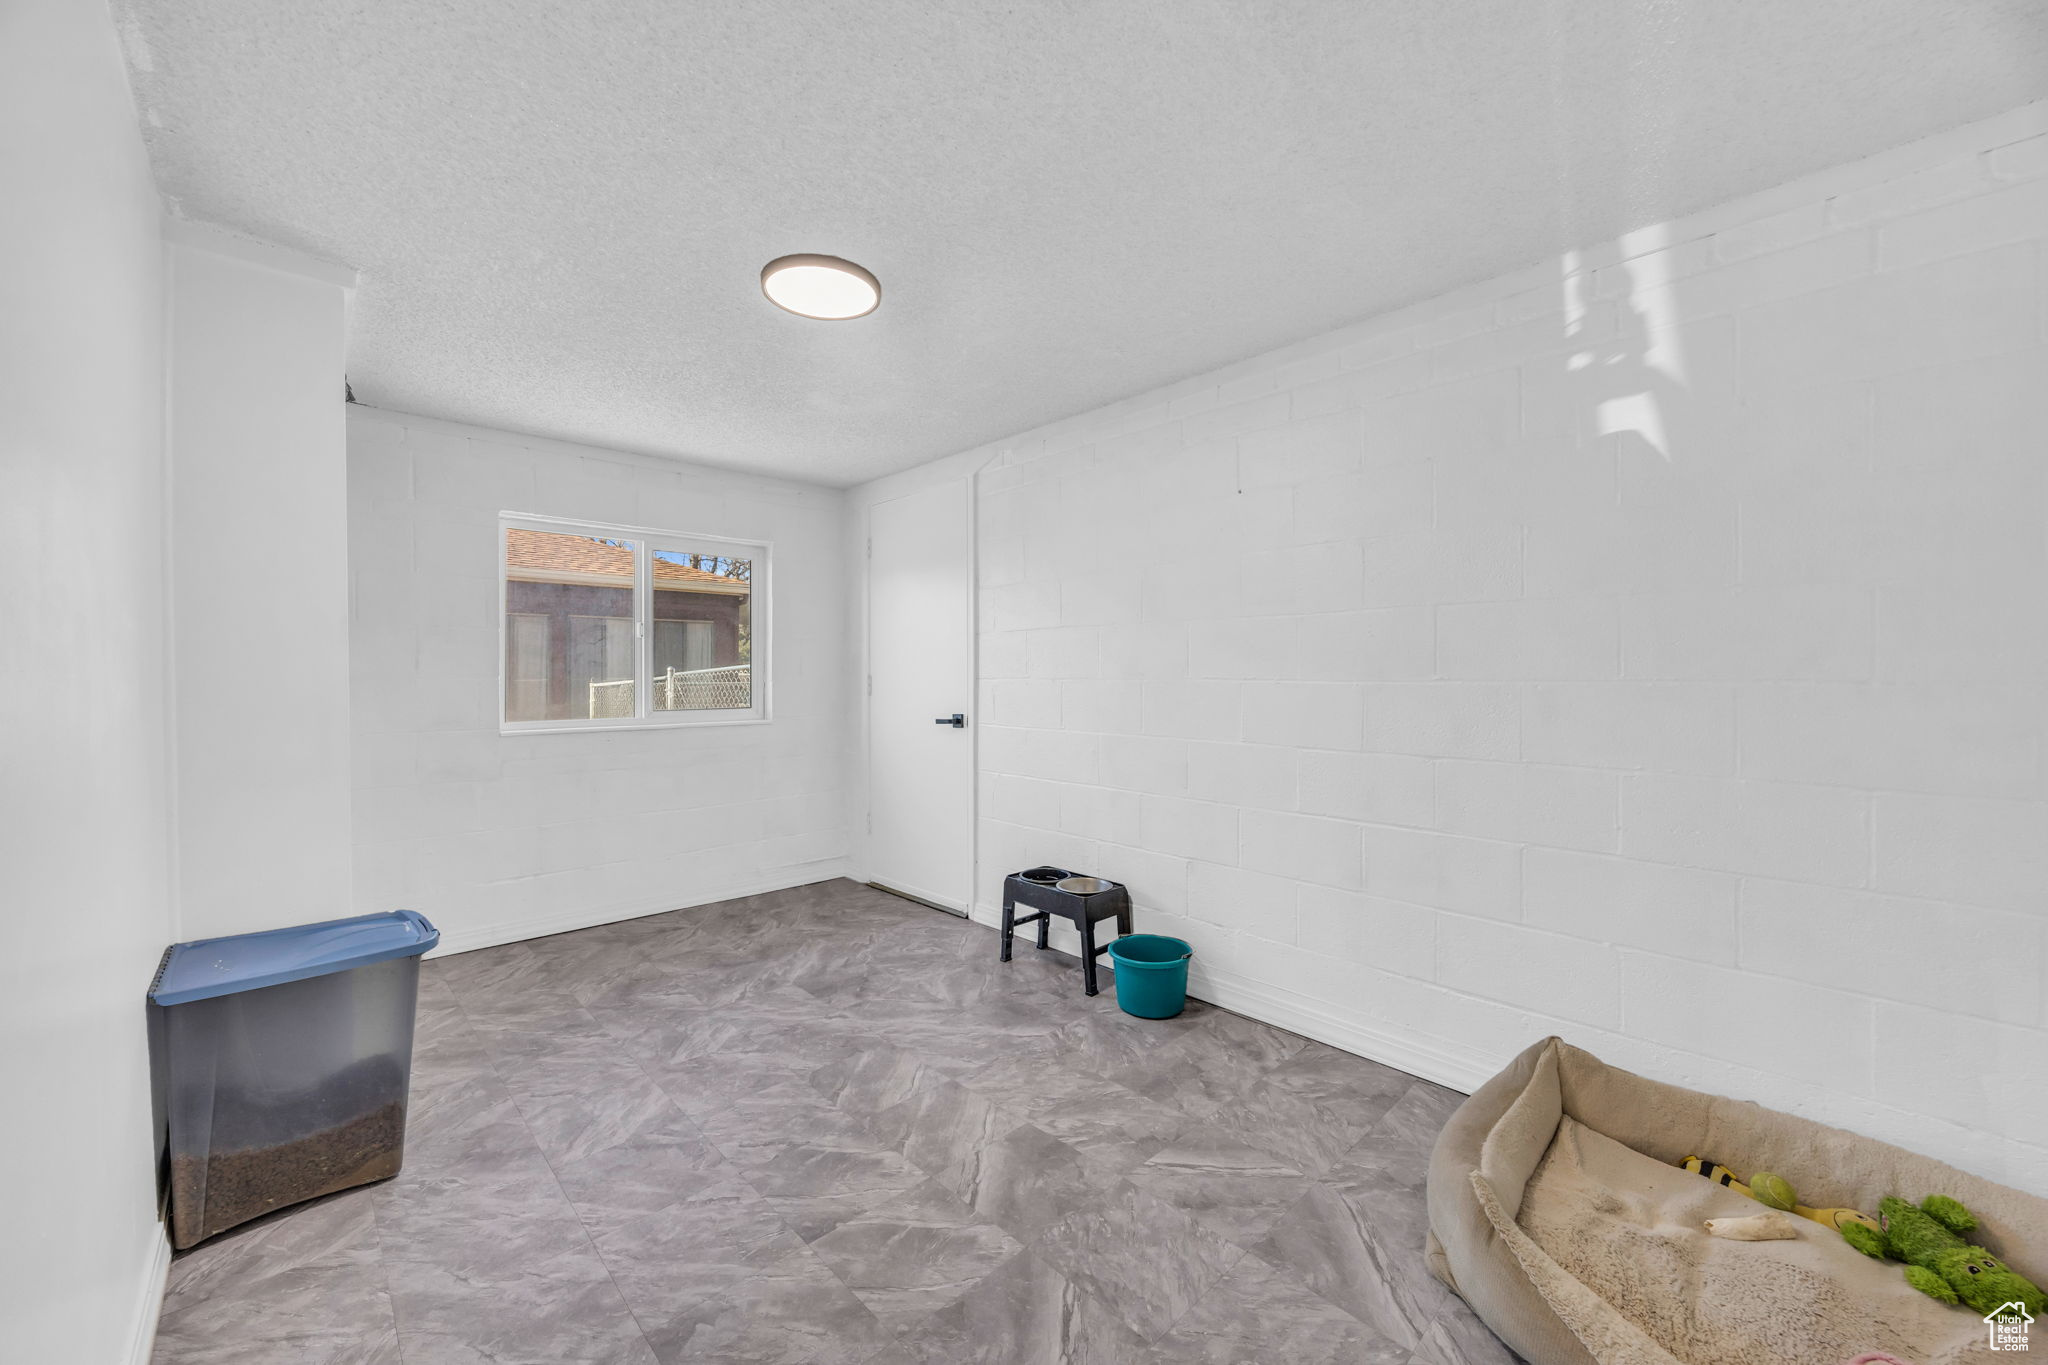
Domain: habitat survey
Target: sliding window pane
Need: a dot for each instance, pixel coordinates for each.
(569, 642)
(703, 632)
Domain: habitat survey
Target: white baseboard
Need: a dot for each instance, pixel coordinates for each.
(1433, 1059)
(150, 1305)
(465, 940)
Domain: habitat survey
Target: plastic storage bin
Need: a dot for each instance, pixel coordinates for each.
(1151, 974)
(284, 1058)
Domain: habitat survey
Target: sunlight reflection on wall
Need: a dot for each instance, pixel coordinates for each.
(1633, 381)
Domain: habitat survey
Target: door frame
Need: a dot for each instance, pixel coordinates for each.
(970, 685)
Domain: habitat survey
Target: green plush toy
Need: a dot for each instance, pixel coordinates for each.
(1938, 1262)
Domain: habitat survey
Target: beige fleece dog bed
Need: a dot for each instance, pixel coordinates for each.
(1557, 1210)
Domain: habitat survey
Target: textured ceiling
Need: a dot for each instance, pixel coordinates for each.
(560, 210)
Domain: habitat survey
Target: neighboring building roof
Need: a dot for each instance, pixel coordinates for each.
(553, 557)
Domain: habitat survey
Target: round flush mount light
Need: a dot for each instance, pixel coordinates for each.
(820, 287)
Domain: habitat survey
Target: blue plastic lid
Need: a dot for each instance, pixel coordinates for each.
(207, 967)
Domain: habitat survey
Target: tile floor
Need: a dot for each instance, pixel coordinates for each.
(826, 1125)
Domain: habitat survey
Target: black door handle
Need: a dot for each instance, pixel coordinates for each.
(956, 720)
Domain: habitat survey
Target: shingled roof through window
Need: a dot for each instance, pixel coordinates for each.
(542, 552)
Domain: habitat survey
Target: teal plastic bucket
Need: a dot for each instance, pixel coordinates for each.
(1151, 975)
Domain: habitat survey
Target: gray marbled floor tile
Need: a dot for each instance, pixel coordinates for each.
(1210, 1068)
(791, 1311)
(485, 1214)
(1388, 1199)
(1393, 1202)
(305, 1315)
(340, 1229)
(563, 1311)
(1036, 1081)
(915, 1254)
(706, 1064)
(817, 1165)
(1146, 1259)
(1365, 1089)
(439, 1009)
(480, 1242)
(577, 1124)
(1220, 1032)
(451, 1052)
(1310, 1133)
(704, 1086)
(938, 983)
(571, 1041)
(587, 959)
(1330, 1242)
(625, 974)
(445, 1108)
(947, 1037)
(697, 1123)
(302, 1287)
(1028, 1180)
(1112, 1128)
(580, 1097)
(1020, 1015)
(1112, 1043)
(520, 1012)
(1404, 1137)
(474, 1133)
(437, 987)
(1049, 975)
(677, 1257)
(1460, 1338)
(815, 1190)
(721, 978)
(876, 1078)
(770, 1024)
(661, 1165)
(633, 1023)
(1024, 1312)
(510, 967)
(754, 1130)
(1236, 1191)
(509, 989)
(945, 1129)
(1256, 1314)
(831, 968)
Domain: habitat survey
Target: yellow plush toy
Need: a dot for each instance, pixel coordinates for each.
(1774, 1191)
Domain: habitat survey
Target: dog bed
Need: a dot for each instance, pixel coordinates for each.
(1557, 1210)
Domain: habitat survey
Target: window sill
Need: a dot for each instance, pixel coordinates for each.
(614, 727)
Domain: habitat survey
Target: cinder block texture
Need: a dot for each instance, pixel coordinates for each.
(499, 837)
(1651, 647)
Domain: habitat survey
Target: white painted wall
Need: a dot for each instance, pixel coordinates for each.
(501, 837)
(83, 881)
(1649, 647)
(259, 572)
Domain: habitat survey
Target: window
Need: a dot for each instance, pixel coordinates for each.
(610, 626)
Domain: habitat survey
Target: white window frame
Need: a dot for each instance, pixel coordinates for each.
(645, 541)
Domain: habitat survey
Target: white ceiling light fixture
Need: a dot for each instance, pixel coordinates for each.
(824, 287)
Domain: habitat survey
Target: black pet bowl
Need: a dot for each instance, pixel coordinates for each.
(1045, 875)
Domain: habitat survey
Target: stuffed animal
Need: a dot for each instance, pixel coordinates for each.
(1780, 1196)
(1939, 1263)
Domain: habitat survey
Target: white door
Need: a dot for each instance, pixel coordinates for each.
(921, 673)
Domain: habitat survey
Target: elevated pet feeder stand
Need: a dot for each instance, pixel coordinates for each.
(1049, 891)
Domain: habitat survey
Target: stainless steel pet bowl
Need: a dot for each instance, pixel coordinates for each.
(1085, 886)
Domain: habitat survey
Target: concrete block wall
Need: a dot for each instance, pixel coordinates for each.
(499, 837)
(1650, 647)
